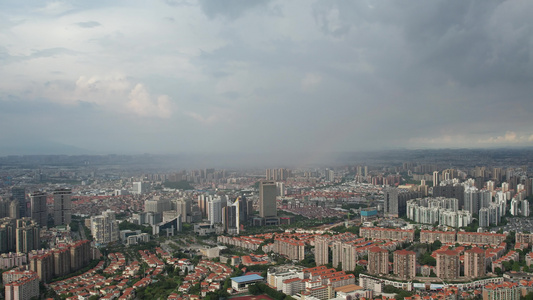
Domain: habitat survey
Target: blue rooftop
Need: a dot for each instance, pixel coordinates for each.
(247, 278)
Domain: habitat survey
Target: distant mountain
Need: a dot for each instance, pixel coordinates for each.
(37, 146)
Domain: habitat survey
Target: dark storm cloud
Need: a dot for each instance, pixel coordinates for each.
(326, 75)
(475, 42)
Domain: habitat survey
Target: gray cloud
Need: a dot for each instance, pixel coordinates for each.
(230, 9)
(5, 57)
(325, 76)
(89, 24)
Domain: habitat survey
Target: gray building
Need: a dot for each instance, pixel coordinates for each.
(62, 206)
(39, 211)
(267, 199)
(18, 194)
(395, 201)
(157, 205)
(450, 191)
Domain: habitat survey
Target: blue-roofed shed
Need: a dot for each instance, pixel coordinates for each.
(241, 283)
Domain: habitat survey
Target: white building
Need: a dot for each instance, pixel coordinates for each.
(215, 210)
(104, 228)
(525, 208)
(514, 207)
(443, 211)
(140, 188)
(484, 217)
(157, 205)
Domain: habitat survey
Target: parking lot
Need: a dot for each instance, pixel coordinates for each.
(517, 224)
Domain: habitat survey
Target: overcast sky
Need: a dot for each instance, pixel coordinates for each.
(259, 76)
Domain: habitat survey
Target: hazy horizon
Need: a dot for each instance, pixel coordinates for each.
(265, 76)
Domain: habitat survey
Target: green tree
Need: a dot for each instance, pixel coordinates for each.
(516, 266)
(427, 259)
(436, 245)
(254, 289)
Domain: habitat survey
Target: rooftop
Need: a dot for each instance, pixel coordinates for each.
(247, 278)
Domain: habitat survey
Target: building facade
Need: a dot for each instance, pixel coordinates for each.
(474, 263)
(404, 264)
(39, 210)
(104, 228)
(378, 261)
(62, 207)
(267, 199)
(448, 264)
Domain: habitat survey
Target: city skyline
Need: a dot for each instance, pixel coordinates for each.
(263, 76)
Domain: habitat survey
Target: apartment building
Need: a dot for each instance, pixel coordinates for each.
(448, 264)
(378, 261)
(404, 264)
(377, 233)
(474, 263)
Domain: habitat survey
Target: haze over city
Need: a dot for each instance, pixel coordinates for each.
(168, 77)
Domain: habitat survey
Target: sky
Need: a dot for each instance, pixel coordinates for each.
(280, 76)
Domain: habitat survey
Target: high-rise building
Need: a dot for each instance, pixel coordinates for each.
(448, 265)
(267, 199)
(505, 187)
(347, 253)
(280, 186)
(436, 178)
(61, 262)
(231, 217)
(378, 261)
(202, 204)
(14, 210)
(184, 208)
(215, 211)
(484, 217)
(7, 235)
(404, 264)
(80, 254)
(524, 208)
(497, 174)
(277, 174)
(456, 191)
(243, 209)
(514, 207)
(474, 261)
(330, 175)
(140, 188)
(321, 250)
(490, 185)
(157, 205)
(24, 288)
(395, 201)
(471, 197)
(43, 265)
(27, 235)
(39, 211)
(18, 194)
(104, 228)
(62, 207)
(9, 208)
